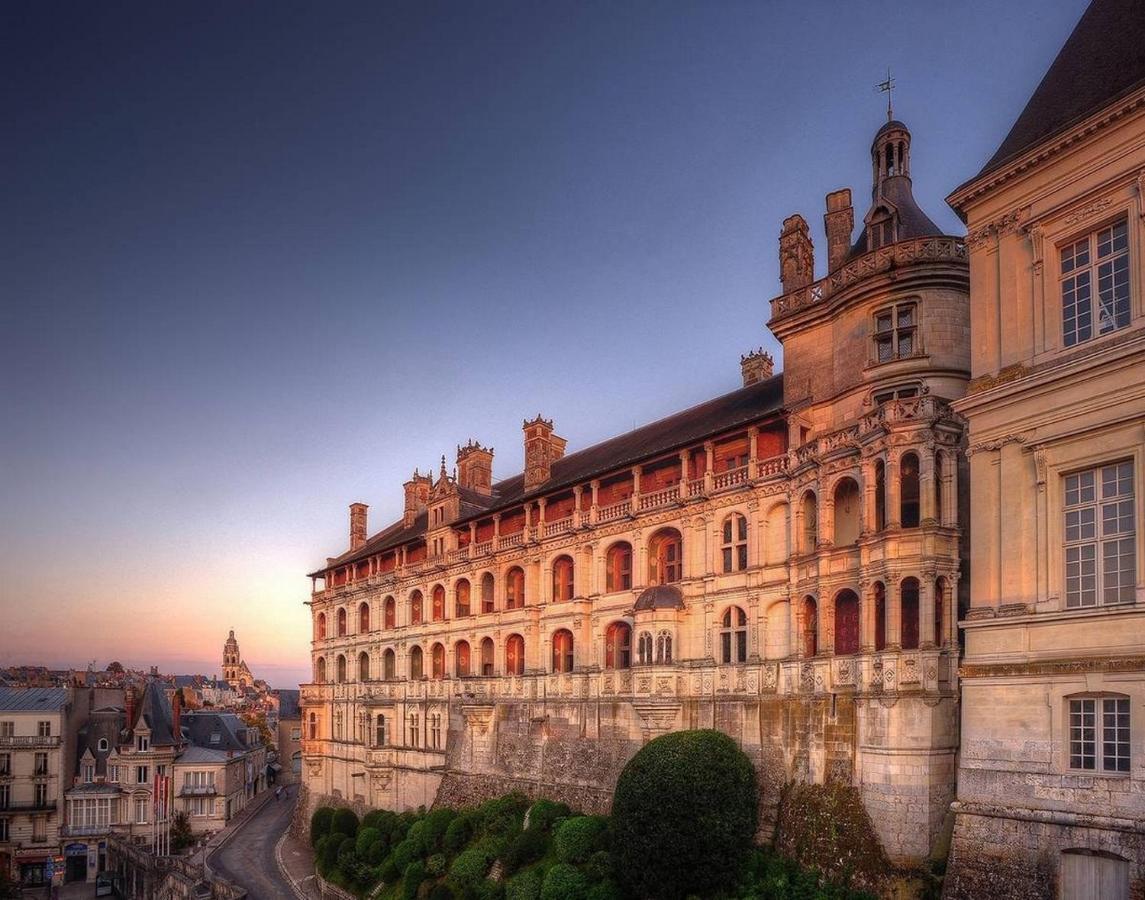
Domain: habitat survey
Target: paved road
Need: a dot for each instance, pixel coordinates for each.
(247, 859)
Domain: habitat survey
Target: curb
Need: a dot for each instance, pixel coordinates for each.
(224, 837)
(282, 867)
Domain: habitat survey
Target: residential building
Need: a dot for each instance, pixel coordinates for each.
(289, 736)
(221, 770)
(1051, 784)
(781, 563)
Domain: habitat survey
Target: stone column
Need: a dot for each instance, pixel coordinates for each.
(893, 503)
(926, 610)
(684, 477)
(635, 499)
(528, 522)
(866, 617)
(753, 654)
(752, 451)
(709, 463)
(894, 613)
(576, 518)
(950, 504)
(496, 529)
(926, 486)
(595, 485)
(639, 560)
(472, 538)
(826, 633)
(867, 472)
(826, 524)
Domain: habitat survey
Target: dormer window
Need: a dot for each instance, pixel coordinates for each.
(102, 745)
(143, 743)
(895, 332)
(881, 230)
(88, 773)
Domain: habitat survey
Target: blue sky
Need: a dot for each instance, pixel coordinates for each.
(261, 259)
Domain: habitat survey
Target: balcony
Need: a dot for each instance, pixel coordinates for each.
(197, 790)
(724, 480)
(85, 830)
(30, 740)
(657, 499)
(28, 806)
(614, 511)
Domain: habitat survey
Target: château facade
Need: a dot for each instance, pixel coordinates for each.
(782, 563)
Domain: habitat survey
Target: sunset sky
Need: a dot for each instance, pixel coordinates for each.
(258, 260)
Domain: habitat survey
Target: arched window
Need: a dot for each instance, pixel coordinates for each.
(320, 670)
(313, 722)
(416, 670)
(415, 608)
(363, 666)
(413, 730)
(618, 567)
(733, 636)
(618, 646)
(320, 630)
(735, 543)
(389, 614)
(880, 495)
(910, 614)
(461, 659)
(363, 618)
(438, 603)
(562, 579)
(340, 669)
(939, 605)
(488, 604)
(664, 647)
(102, 746)
(665, 557)
(389, 665)
(846, 622)
(515, 588)
(342, 623)
(810, 626)
(487, 663)
(515, 655)
(908, 490)
(461, 598)
(437, 657)
(563, 651)
(644, 648)
(380, 736)
(810, 522)
(848, 503)
(880, 616)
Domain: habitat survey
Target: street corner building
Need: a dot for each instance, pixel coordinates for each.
(782, 563)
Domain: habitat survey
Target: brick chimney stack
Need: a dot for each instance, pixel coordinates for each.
(177, 715)
(129, 705)
(838, 222)
(756, 366)
(542, 449)
(475, 467)
(357, 525)
(417, 496)
(796, 254)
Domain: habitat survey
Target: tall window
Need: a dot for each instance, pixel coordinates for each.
(618, 571)
(320, 630)
(735, 543)
(363, 666)
(438, 603)
(810, 522)
(515, 588)
(733, 636)
(415, 664)
(341, 623)
(846, 622)
(1099, 734)
(414, 736)
(895, 328)
(644, 648)
(380, 731)
(461, 598)
(389, 665)
(437, 656)
(320, 670)
(515, 655)
(909, 603)
(313, 726)
(487, 586)
(487, 665)
(908, 491)
(340, 669)
(1102, 256)
(461, 659)
(1100, 536)
(415, 608)
(563, 651)
(665, 557)
(664, 647)
(363, 618)
(389, 614)
(562, 579)
(880, 616)
(140, 810)
(435, 730)
(618, 646)
(810, 627)
(880, 495)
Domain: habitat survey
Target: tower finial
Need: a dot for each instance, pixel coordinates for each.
(888, 88)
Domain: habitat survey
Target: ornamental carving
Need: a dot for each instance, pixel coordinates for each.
(995, 444)
(1088, 211)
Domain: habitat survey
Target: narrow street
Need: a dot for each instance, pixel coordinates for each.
(247, 859)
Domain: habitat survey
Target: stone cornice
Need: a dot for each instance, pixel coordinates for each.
(1053, 667)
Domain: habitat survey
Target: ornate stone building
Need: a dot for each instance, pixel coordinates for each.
(1051, 786)
(782, 563)
(235, 670)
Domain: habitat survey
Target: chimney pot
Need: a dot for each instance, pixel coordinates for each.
(838, 222)
(796, 254)
(357, 525)
(756, 366)
(542, 449)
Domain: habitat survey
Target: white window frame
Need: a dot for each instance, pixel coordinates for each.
(1093, 273)
(1095, 724)
(1099, 515)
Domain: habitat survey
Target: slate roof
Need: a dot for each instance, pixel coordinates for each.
(201, 726)
(20, 699)
(288, 704)
(1102, 61)
(740, 407)
(155, 711)
(106, 724)
(898, 193)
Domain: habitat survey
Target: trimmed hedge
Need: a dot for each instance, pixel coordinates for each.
(405, 853)
(366, 837)
(458, 834)
(345, 822)
(527, 847)
(684, 815)
(579, 837)
(329, 858)
(471, 866)
(412, 879)
(564, 882)
(544, 814)
(320, 824)
(525, 886)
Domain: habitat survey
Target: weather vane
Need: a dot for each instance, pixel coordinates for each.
(888, 87)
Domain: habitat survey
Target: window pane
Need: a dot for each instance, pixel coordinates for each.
(1082, 739)
(906, 343)
(1115, 735)
(906, 316)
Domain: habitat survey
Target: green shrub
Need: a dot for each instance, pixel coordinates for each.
(389, 872)
(458, 834)
(488, 890)
(366, 837)
(320, 824)
(564, 882)
(330, 850)
(684, 815)
(524, 886)
(502, 816)
(345, 822)
(411, 880)
(441, 891)
(405, 853)
(604, 890)
(319, 849)
(579, 837)
(381, 819)
(599, 866)
(436, 824)
(470, 866)
(376, 852)
(416, 834)
(435, 865)
(545, 813)
(526, 847)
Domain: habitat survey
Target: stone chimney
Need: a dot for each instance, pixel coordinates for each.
(542, 449)
(838, 222)
(757, 366)
(796, 254)
(176, 715)
(475, 468)
(357, 525)
(417, 496)
(129, 706)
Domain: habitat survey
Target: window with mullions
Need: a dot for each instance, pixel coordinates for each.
(895, 332)
(1100, 536)
(1099, 734)
(1101, 257)
(734, 545)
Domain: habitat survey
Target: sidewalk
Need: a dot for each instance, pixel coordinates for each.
(296, 862)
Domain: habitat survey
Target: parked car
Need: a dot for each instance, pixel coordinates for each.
(103, 886)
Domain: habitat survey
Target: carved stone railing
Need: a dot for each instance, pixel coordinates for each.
(775, 465)
(482, 548)
(558, 527)
(723, 480)
(904, 253)
(695, 487)
(510, 540)
(656, 499)
(615, 511)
